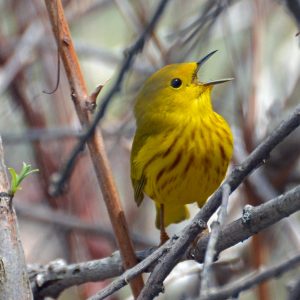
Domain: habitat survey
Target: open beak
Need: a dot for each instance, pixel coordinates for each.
(201, 62)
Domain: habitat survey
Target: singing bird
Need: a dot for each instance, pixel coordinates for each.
(182, 147)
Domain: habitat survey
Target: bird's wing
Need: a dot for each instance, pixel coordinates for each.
(137, 167)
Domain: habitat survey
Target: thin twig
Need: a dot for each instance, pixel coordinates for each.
(66, 221)
(131, 273)
(206, 275)
(233, 289)
(252, 221)
(127, 62)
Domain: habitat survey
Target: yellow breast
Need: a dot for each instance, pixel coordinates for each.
(187, 163)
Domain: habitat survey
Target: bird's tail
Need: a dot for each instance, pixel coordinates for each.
(172, 214)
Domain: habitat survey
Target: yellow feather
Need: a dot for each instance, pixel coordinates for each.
(181, 148)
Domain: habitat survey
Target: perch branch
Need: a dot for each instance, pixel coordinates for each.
(253, 220)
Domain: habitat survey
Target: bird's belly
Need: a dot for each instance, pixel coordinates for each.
(191, 172)
(193, 182)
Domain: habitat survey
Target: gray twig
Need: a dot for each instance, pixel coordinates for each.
(70, 222)
(233, 289)
(206, 275)
(52, 279)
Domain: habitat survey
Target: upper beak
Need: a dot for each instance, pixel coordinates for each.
(205, 58)
(202, 61)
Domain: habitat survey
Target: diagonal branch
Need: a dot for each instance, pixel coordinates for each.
(52, 282)
(81, 101)
(233, 289)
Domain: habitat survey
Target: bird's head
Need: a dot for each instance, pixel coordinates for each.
(176, 89)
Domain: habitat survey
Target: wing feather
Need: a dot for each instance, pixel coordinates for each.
(137, 169)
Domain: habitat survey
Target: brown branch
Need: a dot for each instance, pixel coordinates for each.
(80, 97)
(13, 274)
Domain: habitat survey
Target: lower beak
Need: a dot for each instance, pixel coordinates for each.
(214, 82)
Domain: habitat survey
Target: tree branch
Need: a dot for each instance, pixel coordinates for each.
(82, 103)
(233, 290)
(206, 278)
(253, 221)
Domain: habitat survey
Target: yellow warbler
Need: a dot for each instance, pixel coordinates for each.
(182, 148)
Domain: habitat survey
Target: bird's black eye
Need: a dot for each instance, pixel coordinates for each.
(176, 83)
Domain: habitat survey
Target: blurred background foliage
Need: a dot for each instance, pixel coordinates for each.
(258, 46)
